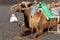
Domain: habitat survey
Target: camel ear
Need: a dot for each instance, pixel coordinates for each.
(30, 5)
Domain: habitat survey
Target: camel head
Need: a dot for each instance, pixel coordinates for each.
(20, 6)
(15, 8)
(25, 6)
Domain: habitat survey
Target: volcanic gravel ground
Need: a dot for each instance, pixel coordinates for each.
(11, 31)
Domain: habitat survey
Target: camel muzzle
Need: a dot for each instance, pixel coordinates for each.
(17, 10)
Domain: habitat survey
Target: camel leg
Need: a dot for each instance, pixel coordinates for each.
(25, 32)
(18, 18)
(39, 32)
(32, 32)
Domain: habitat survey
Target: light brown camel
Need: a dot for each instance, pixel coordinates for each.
(40, 22)
(37, 22)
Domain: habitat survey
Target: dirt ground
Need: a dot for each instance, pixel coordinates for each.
(11, 31)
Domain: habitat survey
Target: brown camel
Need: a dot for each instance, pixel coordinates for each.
(37, 22)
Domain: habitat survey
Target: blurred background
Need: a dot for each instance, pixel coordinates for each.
(9, 2)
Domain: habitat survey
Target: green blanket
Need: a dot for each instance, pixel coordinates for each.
(47, 12)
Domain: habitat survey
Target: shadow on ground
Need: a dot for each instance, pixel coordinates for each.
(11, 31)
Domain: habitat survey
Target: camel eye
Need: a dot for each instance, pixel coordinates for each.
(23, 5)
(29, 5)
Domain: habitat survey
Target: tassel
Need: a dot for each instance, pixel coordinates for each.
(13, 18)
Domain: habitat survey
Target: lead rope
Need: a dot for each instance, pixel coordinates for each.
(18, 5)
(31, 25)
(57, 25)
(30, 20)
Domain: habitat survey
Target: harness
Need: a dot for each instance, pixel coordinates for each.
(33, 10)
(39, 21)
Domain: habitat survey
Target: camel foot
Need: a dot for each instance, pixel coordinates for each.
(25, 32)
(35, 35)
(32, 37)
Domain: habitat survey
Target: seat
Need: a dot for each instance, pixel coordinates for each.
(57, 24)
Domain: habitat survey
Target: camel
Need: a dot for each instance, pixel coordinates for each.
(29, 22)
(37, 22)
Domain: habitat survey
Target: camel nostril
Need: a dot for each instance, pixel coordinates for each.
(22, 11)
(17, 10)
